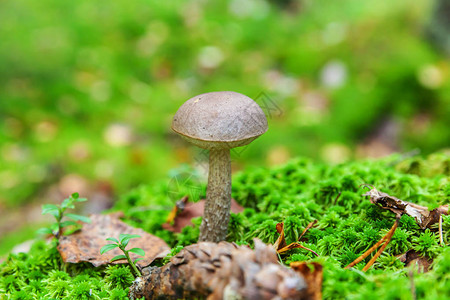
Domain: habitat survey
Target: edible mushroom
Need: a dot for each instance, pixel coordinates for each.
(219, 121)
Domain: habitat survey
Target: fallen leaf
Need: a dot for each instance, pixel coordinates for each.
(312, 272)
(181, 217)
(281, 241)
(423, 216)
(434, 216)
(85, 245)
(177, 209)
(413, 258)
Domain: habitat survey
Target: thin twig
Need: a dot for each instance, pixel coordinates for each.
(441, 237)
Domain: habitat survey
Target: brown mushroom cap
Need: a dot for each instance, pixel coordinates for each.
(220, 120)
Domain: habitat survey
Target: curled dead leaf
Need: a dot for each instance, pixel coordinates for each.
(312, 272)
(423, 216)
(184, 211)
(413, 258)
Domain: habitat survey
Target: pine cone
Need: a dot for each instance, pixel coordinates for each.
(222, 271)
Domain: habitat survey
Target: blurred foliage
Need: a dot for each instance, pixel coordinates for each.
(89, 87)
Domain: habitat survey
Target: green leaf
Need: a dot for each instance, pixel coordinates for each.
(138, 251)
(54, 227)
(108, 247)
(50, 209)
(79, 218)
(75, 198)
(72, 230)
(125, 238)
(81, 200)
(44, 230)
(68, 223)
(118, 257)
(47, 207)
(67, 203)
(113, 240)
(138, 259)
(127, 235)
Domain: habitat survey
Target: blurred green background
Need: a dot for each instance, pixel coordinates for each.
(88, 88)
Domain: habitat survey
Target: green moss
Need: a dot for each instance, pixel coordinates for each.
(119, 276)
(426, 244)
(296, 194)
(40, 274)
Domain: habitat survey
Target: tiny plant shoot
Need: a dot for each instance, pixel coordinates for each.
(59, 212)
(122, 244)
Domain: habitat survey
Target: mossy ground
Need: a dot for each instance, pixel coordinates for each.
(296, 194)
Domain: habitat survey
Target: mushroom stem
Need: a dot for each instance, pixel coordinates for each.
(216, 215)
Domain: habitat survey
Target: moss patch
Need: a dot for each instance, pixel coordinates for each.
(296, 194)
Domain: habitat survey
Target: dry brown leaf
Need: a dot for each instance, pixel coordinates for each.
(313, 274)
(85, 245)
(182, 217)
(423, 216)
(281, 241)
(413, 258)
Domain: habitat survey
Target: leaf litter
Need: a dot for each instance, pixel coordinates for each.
(85, 245)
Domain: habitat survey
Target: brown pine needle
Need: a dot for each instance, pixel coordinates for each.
(441, 237)
(296, 245)
(388, 237)
(280, 244)
(385, 239)
(365, 254)
(310, 225)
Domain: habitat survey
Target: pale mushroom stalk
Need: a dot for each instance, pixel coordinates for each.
(219, 121)
(218, 197)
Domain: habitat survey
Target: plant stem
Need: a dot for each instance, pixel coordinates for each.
(133, 266)
(58, 220)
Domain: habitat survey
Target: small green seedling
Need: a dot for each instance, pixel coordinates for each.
(122, 244)
(58, 211)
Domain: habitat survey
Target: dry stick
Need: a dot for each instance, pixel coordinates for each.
(371, 249)
(441, 237)
(387, 240)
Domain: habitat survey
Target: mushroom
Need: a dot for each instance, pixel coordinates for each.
(219, 121)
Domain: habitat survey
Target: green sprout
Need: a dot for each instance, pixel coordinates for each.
(58, 211)
(122, 244)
